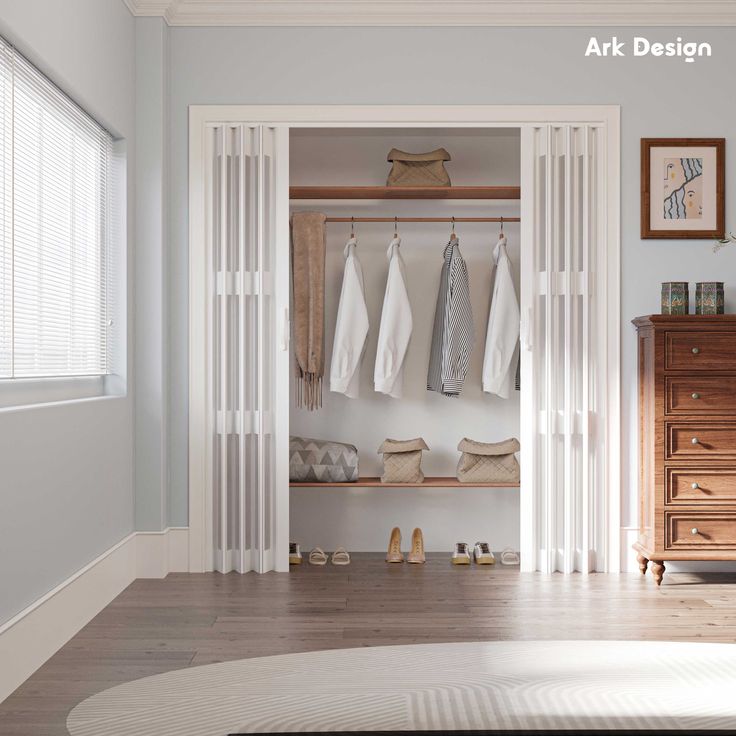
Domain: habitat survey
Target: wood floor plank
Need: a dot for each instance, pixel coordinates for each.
(189, 620)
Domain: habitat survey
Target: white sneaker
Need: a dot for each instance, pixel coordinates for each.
(295, 553)
(482, 554)
(461, 554)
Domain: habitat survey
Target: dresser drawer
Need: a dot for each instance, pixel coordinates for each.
(694, 351)
(700, 531)
(700, 440)
(701, 486)
(700, 395)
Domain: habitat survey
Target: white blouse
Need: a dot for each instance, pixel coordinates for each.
(502, 337)
(351, 329)
(396, 327)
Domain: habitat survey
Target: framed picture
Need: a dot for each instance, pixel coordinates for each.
(683, 187)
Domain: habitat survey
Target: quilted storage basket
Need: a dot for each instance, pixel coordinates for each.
(402, 460)
(488, 462)
(322, 461)
(418, 169)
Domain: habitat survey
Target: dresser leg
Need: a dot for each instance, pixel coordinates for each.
(658, 571)
(643, 562)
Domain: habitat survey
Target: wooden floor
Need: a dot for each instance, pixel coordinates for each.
(187, 620)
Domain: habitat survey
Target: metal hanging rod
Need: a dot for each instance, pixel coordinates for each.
(423, 219)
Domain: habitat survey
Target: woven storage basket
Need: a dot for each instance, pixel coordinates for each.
(402, 460)
(488, 462)
(418, 169)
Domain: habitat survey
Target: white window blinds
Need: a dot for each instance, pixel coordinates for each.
(53, 229)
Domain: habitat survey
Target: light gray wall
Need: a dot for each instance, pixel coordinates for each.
(658, 97)
(151, 354)
(66, 470)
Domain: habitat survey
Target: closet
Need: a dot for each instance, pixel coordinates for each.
(552, 174)
(342, 174)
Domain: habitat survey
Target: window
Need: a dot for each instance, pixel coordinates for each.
(54, 242)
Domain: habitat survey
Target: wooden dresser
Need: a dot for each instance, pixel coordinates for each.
(687, 436)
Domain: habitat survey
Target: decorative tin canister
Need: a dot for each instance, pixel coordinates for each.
(709, 297)
(675, 297)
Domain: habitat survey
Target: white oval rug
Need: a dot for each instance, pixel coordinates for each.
(488, 685)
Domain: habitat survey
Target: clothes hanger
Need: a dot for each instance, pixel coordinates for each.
(452, 232)
(395, 241)
(352, 240)
(501, 235)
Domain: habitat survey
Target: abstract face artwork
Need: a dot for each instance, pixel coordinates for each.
(683, 189)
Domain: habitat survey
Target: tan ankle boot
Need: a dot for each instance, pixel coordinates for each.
(394, 553)
(417, 547)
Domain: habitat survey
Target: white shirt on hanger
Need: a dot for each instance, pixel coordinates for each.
(502, 337)
(396, 327)
(351, 328)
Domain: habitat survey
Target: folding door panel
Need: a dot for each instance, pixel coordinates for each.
(563, 404)
(248, 346)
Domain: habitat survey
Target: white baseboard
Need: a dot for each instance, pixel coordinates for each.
(629, 535)
(159, 553)
(28, 639)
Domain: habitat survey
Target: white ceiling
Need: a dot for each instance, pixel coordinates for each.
(439, 12)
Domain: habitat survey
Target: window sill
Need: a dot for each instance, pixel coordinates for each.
(33, 393)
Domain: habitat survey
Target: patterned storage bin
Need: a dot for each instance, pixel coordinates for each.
(322, 461)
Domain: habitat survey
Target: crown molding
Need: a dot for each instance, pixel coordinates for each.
(439, 12)
(150, 8)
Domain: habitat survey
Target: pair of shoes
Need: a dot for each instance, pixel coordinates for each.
(481, 553)
(415, 556)
(295, 553)
(319, 557)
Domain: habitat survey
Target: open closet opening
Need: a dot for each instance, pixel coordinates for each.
(328, 167)
(254, 169)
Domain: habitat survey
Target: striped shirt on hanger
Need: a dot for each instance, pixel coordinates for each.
(453, 335)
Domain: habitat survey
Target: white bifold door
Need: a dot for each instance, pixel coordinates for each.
(246, 188)
(566, 497)
(239, 291)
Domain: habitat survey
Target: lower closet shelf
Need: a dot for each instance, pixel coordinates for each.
(433, 482)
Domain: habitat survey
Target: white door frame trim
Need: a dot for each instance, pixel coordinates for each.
(301, 116)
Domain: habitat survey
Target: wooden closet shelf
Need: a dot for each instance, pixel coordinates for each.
(434, 482)
(404, 193)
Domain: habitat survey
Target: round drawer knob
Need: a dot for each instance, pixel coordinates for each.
(695, 486)
(694, 530)
(696, 351)
(696, 396)
(694, 440)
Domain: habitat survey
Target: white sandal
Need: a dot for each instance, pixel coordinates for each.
(340, 557)
(317, 557)
(509, 557)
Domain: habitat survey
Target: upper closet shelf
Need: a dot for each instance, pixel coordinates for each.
(404, 192)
